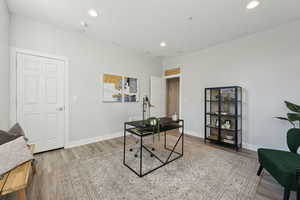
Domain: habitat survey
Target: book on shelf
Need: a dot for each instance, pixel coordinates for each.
(228, 141)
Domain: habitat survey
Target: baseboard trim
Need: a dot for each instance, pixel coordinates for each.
(251, 147)
(193, 133)
(77, 143)
(247, 146)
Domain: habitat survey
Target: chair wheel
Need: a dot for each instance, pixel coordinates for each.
(130, 149)
(151, 155)
(135, 155)
(153, 149)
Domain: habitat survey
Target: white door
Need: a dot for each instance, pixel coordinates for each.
(158, 96)
(40, 100)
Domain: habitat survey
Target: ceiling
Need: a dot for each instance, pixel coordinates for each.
(141, 25)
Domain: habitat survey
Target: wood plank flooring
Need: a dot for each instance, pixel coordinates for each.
(268, 189)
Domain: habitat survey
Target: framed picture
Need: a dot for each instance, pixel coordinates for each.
(131, 89)
(112, 88)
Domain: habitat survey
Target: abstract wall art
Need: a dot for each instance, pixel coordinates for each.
(130, 89)
(112, 88)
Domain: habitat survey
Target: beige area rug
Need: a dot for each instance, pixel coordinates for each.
(204, 173)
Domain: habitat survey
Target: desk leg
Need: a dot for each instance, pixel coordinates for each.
(124, 144)
(182, 137)
(21, 194)
(141, 157)
(165, 140)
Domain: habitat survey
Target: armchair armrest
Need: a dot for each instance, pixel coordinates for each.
(298, 182)
(297, 172)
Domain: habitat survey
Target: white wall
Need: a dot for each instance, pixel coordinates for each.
(89, 117)
(266, 65)
(4, 65)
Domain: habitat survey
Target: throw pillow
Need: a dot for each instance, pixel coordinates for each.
(17, 131)
(13, 154)
(6, 137)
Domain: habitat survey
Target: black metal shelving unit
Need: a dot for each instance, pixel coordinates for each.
(223, 116)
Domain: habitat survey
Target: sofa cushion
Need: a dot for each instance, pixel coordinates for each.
(13, 154)
(281, 165)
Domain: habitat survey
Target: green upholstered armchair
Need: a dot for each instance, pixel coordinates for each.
(284, 166)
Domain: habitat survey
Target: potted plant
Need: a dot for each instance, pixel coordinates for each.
(294, 116)
(293, 134)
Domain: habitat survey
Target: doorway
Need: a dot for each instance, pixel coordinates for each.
(41, 99)
(173, 96)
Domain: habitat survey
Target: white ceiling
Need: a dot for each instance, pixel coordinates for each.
(141, 25)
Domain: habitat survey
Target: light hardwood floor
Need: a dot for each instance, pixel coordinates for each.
(268, 189)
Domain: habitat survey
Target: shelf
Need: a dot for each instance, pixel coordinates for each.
(138, 132)
(213, 137)
(217, 101)
(220, 88)
(222, 129)
(223, 115)
(149, 130)
(223, 141)
(228, 141)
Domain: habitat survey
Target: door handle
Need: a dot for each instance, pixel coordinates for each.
(60, 109)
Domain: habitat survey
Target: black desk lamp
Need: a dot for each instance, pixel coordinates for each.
(146, 104)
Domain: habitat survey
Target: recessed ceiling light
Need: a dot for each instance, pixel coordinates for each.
(253, 4)
(93, 13)
(163, 44)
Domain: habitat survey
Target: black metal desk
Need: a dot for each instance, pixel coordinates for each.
(166, 124)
